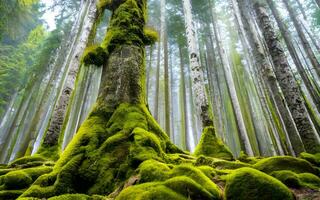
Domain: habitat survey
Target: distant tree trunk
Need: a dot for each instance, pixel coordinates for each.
(156, 101)
(166, 66)
(184, 122)
(287, 82)
(302, 36)
(289, 42)
(232, 91)
(149, 69)
(54, 130)
(317, 2)
(198, 88)
(302, 10)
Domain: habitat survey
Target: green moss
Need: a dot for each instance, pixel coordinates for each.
(180, 158)
(151, 36)
(278, 163)
(16, 180)
(250, 184)
(10, 194)
(149, 191)
(28, 161)
(312, 158)
(94, 55)
(246, 159)
(288, 178)
(152, 170)
(210, 145)
(208, 171)
(309, 180)
(220, 164)
(77, 197)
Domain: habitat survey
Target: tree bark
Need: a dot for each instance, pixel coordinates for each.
(198, 88)
(267, 73)
(164, 38)
(73, 61)
(287, 82)
(232, 91)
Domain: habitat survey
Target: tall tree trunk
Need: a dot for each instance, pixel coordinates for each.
(156, 101)
(73, 61)
(289, 42)
(266, 71)
(164, 38)
(185, 122)
(302, 10)
(287, 82)
(149, 69)
(232, 91)
(302, 36)
(198, 88)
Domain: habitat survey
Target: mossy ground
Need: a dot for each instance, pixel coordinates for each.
(125, 155)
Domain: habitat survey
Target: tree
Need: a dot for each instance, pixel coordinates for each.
(287, 82)
(201, 99)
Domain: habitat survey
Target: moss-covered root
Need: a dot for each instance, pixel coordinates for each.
(104, 153)
(294, 180)
(251, 184)
(20, 174)
(210, 145)
(162, 181)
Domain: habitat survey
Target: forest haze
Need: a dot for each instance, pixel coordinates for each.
(159, 99)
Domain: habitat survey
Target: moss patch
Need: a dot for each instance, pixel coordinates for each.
(278, 163)
(220, 164)
(94, 55)
(210, 145)
(251, 184)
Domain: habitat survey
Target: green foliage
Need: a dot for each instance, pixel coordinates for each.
(251, 184)
(210, 145)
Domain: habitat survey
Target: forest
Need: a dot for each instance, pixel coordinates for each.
(160, 99)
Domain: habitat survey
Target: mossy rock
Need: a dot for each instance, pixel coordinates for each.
(288, 178)
(151, 170)
(251, 184)
(312, 158)
(278, 163)
(176, 188)
(16, 180)
(77, 197)
(211, 146)
(310, 180)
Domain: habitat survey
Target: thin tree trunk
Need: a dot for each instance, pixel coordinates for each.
(166, 66)
(232, 91)
(198, 88)
(289, 42)
(54, 130)
(302, 10)
(149, 69)
(156, 101)
(287, 83)
(185, 121)
(303, 38)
